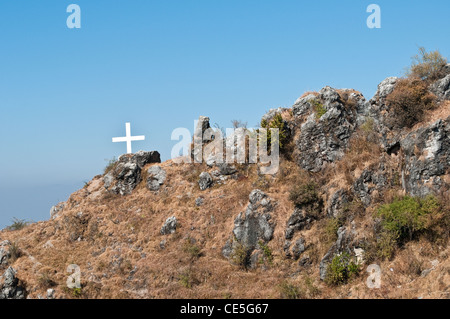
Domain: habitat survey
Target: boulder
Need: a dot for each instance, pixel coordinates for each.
(10, 287)
(226, 169)
(142, 158)
(205, 181)
(170, 226)
(156, 178)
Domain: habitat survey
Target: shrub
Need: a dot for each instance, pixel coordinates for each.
(427, 66)
(276, 122)
(14, 252)
(304, 194)
(187, 279)
(318, 107)
(341, 269)
(240, 256)
(330, 230)
(409, 100)
(267, 252)
(191, 249)
(289, 291)
(18, 224)
(405, 217)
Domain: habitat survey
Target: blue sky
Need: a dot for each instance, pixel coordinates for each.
(64, 93)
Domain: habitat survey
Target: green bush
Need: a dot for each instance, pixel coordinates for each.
(405, 217)
(267, 253)
(318, 107)
(341, 269)
(276, 122)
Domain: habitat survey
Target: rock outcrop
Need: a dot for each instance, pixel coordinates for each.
(325, 134)
(426, 158)
(10, 287)
(126, 174)
(252, 227)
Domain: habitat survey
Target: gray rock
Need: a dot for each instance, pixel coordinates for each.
(205, 181)
(50, 293)
(55, 210)
(272, 112)
(338, 203)
(199, 201)
(156, 177)
(298, 221)
(324, 140)
(371, 179)
(200, 129)
(441, 88)
(303, 105)
(298, 248)
(226, 169)
(426, 158)
(9, 286)
(170, 226)
(384, 89)
(126, 174)
(253, 225)
(4, 255)
(142, 158)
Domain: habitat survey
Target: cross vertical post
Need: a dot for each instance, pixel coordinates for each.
(128, 138)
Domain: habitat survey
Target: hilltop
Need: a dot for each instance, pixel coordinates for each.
(360, 182)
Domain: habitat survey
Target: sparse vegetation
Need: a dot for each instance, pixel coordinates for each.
(427, 66)
(14, 252)
(240, 256)
(409, 101)
(341, 269)
(318, 107)
(238, 124)
(18, 224)
(276, 122)
(111, 164)
(190, 248)
(304, 194)
(289, 291)
(267, 253)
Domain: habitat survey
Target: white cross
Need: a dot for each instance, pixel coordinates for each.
(128, 138)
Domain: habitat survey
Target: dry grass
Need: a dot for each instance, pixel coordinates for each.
(120, 256)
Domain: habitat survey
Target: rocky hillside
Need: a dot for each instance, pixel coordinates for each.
(361, 182)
